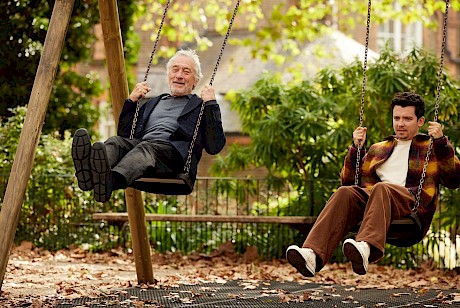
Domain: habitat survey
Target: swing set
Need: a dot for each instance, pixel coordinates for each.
(403, 232)
(406, 231)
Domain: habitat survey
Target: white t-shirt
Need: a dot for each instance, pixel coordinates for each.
(394, 169)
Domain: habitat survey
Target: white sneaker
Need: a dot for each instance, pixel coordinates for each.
(303, 259)
(358, 254)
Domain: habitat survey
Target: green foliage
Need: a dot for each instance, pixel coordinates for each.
(23, 31)
(289, 127)
(71, 103)
(448, 216)
(271, 240)
(10, 132)
(52, 157)
(278, 28)
(53, 205)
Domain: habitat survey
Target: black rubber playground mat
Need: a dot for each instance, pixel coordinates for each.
(268, 294)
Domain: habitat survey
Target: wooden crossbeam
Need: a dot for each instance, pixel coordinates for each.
(308, 220)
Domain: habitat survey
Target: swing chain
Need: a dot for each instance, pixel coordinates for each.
(136, 115)
(436, 108)
(224, 42)
(366, 51)
(200, 115)
(441, 62)
(157, 39)
(363, 90)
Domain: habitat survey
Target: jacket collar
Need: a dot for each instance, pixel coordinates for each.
(193, 103)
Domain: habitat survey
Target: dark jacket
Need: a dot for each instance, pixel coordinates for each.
(210, 136)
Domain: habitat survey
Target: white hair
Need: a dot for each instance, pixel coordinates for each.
(192, 55)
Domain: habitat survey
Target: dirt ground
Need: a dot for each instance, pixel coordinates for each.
(36, 278)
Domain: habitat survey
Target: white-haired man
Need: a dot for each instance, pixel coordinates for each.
(162, 136)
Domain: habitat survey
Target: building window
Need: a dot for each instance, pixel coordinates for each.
(400, 37)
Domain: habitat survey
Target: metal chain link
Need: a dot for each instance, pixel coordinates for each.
(200, 115)
(157, 39)
(224, 42)
(436, 108)
(363, 89)
(441, 62)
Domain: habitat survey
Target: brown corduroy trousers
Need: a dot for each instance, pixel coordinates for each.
(349, 205)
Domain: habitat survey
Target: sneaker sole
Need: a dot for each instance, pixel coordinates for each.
(81, 151)
(296, 260)
(355, 257)
(101, 173)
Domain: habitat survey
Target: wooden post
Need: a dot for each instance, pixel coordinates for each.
(33, 123)
(119, 91)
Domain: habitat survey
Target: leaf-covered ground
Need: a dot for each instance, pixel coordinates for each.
(36, 278)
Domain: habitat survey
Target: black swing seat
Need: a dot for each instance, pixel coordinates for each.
(167, 184)
(406, 231)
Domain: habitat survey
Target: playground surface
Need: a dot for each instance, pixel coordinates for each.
(78, 278)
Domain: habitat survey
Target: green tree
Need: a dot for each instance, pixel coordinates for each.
(23, 31)
(278, 28)
(53, 204)
(301, 131)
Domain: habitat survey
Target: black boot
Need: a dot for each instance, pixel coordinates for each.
(81, 155)
(101, 173)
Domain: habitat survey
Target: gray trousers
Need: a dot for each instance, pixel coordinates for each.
(134, 158)
(348, 206)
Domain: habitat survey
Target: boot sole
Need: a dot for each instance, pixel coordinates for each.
(101, 173)
(355, 257)
(297, 260)
(81, 151)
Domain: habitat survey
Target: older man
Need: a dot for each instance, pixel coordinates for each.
(162, 135)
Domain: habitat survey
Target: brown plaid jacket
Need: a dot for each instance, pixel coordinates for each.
(443, 169)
